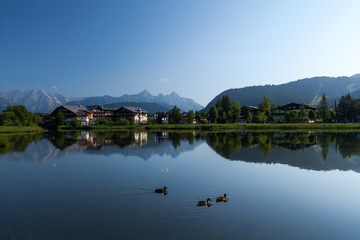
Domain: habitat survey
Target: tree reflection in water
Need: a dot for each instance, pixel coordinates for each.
(230, 145)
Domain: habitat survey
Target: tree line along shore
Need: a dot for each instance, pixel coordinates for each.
(224, 115)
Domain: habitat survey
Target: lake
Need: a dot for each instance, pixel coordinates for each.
(100, 185)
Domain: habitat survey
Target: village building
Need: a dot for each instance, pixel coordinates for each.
(97, 112)
(72, 111)
(279, 113)
(163, 116)
(135, 114)
(249, 109)
(90, 114)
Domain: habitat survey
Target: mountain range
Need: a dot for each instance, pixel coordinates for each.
(307, 91)
(34, 100)
(168, 101)
(45, 102)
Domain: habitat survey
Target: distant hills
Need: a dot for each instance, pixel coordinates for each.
(168, 101)
(45, 102)
(148, 106)
(307, 91)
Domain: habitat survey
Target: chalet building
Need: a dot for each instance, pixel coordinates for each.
(280, 112)
(136, 114)
(164, 116)
(254, 111)
(90, 114)
(97, 112)
(71, 111)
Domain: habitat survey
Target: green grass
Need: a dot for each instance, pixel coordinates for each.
(17, 129)
(218, 127)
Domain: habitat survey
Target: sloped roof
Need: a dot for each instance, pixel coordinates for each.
(135, 109)
(290, 106)
(75, 108)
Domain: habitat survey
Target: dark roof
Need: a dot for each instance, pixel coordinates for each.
(135, 109)
(91, 107)
(290, 106)
(251, 107)
(75, 108)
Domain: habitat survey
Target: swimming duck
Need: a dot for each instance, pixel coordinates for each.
(203, 202)
(222, 199)
(161, 190)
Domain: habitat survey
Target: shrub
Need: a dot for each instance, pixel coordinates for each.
(122, 121)
(75, 122)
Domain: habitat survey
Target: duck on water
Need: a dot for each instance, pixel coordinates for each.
(161, 190)
(204, 203)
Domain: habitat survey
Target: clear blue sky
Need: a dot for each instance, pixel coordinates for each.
(197, 48)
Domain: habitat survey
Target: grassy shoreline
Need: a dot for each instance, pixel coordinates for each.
(199, 127)
(235, 126)
(22, 129)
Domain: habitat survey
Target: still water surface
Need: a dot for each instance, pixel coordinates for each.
(99, 185)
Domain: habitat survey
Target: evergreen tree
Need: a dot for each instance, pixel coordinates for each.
(324, 110)
(236, 111)
(348, 109)
(265, 105)
(249, 117)
(225, 103)
(302, 113)
(191, 117)
(265, 108)
(175, 115)
(213, 114)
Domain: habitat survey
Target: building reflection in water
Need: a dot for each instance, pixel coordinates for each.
(309, 150)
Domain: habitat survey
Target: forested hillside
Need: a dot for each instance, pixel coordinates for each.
(307, 91)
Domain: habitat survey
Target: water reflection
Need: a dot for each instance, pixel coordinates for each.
(313, 150)
(128, 143)
(308, 150)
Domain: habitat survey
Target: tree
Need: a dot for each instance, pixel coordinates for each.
(213, 114)
(332, 115)
(175, 115)
(249, 117)
(265, 108)
(293, 115)
(302, 113)
(191, 117)
(262, 117)
(59, 118)
(311, 114)
(246, 112)
(235, 111)
(224, 117)
(36, 119)
(75, 122)
(8, 119)
(225, 103)
(348, 109)
(324, 110)
(264, 105)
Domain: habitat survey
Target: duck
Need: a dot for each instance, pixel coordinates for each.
(161, 190)
(222, 199)
(204, 203)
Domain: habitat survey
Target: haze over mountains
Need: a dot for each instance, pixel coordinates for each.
(307, 91)
(168, 101)
(45, 102)
(34, 100)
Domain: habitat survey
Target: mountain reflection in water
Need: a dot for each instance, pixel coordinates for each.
(310, 150)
